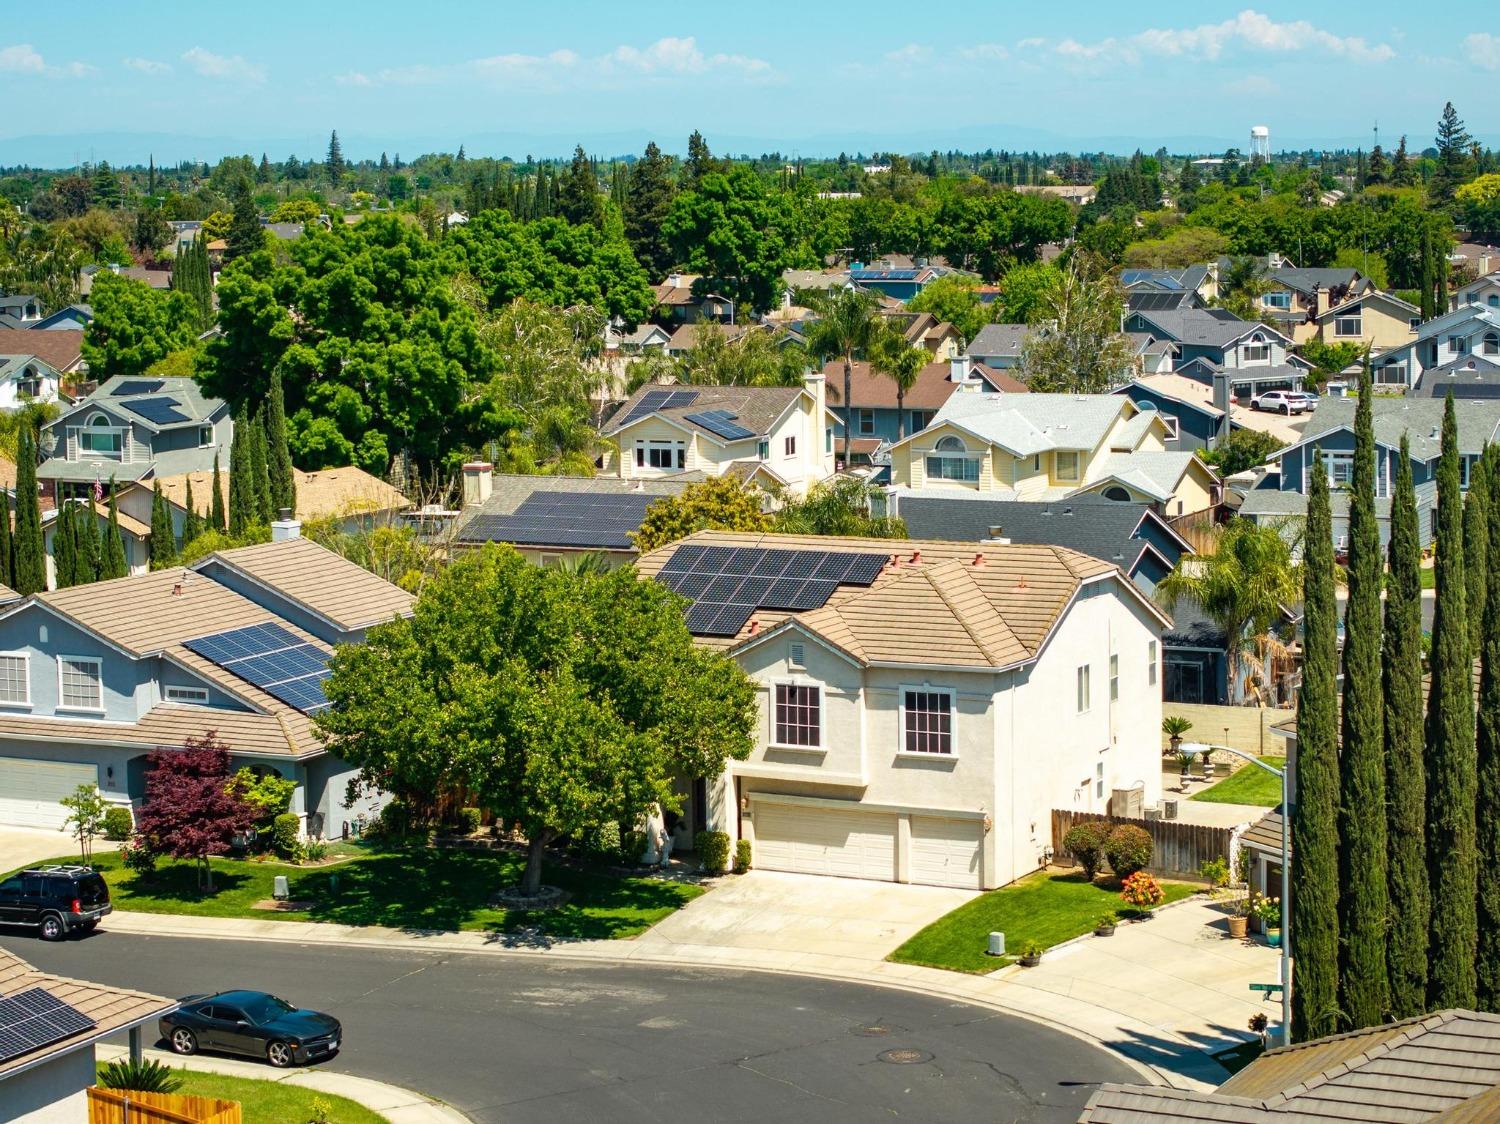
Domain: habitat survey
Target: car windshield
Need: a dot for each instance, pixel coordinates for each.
(266, 1008)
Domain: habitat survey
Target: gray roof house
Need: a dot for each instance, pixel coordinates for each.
(133, 428)
(998, 346)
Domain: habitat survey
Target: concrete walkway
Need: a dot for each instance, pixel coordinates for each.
(399, 1106)
(24, 846)
(1165, 994)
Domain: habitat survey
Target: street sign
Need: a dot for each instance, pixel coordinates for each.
(1267, 988)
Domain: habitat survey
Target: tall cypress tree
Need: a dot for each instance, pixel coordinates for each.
(241, 476)
(90, 544)
(30, 562)
(216, 517)
(113, 563)
(1487, 806)
(278, 452)
(192, 522)
(1315, 881)
(1476, 548)
(163, 538)
(7, 550)
(246, 235)
(1405, 779)
(1363, 901)
(1451, 765)
(259, 470)
(64, 548)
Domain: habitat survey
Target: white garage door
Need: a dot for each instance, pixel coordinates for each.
(825, 841)
(30, 790)
(945, 852)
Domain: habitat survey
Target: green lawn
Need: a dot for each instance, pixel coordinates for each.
(419, 888)
(1250, 785)
(1048, 907)
(273, 1102)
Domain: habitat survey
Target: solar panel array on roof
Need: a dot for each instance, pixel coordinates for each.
(272, 658)
(162, 411)
(884, 274)
(722, 423)
(1150, 277)
(654, 400)
(726, 584)
(138, 386)
(32, 1019)
(1474, 390)
(582, 519)
(1152, 301)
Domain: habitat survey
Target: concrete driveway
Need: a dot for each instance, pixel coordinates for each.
(798, 914)
(22, 846)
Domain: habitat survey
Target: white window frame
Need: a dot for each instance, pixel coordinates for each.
(763, 449)
(676, 455)
(1255, 353)
(1345, 462)
(1459, 345)
(205, 436)
(1342, 326)
(1114, 677)
(98, 663)
(866, 420)
(789, 446)
(1490, 344)
(1391, 374)
(927, 754)
(801, 683)
(1152, 669)
(1082, 687)
(1277, 298)
(19, 704)
(172, 692)
(1173, 424)
(1057, 464)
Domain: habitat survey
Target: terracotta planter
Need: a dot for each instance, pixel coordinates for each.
(1238, 928)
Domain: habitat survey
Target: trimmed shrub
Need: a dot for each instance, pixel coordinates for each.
(1128, 850)
(145, 1076)
(118, 823)
(138, 856)
(394, 820)
(741, 856)
(1085, 842)
(314, 851)
(469, 820)
(713, 851)
(284, 830)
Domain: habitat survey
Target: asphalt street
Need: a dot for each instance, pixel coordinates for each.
(519, 1040)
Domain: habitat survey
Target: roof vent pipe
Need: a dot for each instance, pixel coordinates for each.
(979, 558)
(916, 556)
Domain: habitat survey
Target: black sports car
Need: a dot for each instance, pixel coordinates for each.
(253, 1023)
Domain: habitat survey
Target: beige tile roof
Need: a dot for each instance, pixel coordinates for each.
(933, 605)
(333, 587)
(167, 725)
(110, 1008)
(328, 493)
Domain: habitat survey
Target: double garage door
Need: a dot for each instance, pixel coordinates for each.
(30, 790)
(816, 839)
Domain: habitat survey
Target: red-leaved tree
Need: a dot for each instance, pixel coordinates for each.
(193, 809)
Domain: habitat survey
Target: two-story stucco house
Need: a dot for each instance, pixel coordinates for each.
(1374, 319)
(1327, 442)
(1444, 341)
(781, 437)
(1257, 358)
(1296, 297)
(1047, 447)
(27, 378)
(1483, 291)
(929, 706)
(95, 677)
(132, 429)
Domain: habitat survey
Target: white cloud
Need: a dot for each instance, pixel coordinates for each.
(354, 78)
(681, 56)
(989, 52)
(909, 55)
(23, 58)
(1249, 30)
(232, 68)
(1483, 50)
(148, 66)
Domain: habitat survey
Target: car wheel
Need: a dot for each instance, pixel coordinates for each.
(52, 928)
(280, 1055)
(184, 1041)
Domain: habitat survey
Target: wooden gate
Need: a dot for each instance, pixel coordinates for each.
(124, 1106)
(1178, 850)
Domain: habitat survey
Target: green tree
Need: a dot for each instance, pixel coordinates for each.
(699, 163)
(578, 199)
(64, 548)
(260, 473)
(1455, 162)
(563, 702)
(848, 323)
(30, 570)
(151, 233)
(217, 519)
(282, 477)
(648, 201)
(1329, 360)
(335, 160)
(90, 544)
(1479, 201)
(112, 553)
(1243, 449)
(1476, 548)
(1315, 882)
(192, 521)
(86, 808)
(1487, 807)
(838, 506)
(243, 512)
(1080, 349)
(1451, 765)
(898, 361)
(135, 325)
(1405, 779)
(193, 275)
(7, 547)
(245, 234)
(954, 298)
(720, 503)
(1363, 901)
(163, 538)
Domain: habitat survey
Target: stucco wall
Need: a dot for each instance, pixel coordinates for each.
(52, 1093)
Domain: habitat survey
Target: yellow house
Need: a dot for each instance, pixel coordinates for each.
(1375, 320)
(1048, 447)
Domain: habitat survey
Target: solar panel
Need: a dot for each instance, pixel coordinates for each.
(654, 400)
(865, 568)
(272, 658)
(587, 519)
(32, 1019)
(722, 424)
(138, 386)
(1475, 390)
(162, 411)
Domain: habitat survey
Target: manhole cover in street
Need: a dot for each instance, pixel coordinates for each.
(875, 1030)
(906, 1057)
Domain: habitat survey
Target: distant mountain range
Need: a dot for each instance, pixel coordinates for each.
(127, 148)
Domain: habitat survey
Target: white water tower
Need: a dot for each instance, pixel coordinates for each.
(1260, 143)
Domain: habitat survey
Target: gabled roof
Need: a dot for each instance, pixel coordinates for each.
(1156, 474)
(1467, 376)
(1001, 339)
(756, 408)
(1404, 310)
(122, 396)
(1204, 327)
(1027, 424)
(1485, 316)
(61, 347)
(479, 524)
(1308, 281)
(325, 493)
(1421, 419)
(871, 390)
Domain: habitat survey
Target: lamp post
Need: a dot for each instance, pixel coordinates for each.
(1286, 884)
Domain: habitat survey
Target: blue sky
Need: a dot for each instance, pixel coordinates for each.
(805, 76)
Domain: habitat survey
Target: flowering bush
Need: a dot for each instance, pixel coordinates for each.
(1142, 891)
(138, 856)
(1269, 912)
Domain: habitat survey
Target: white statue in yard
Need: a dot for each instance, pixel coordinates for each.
(655, 832)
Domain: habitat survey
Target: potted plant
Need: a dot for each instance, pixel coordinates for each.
(1031, 954)
(1269, 911)
(1105, 926)
(1185, 764)
(1239, 920)
(1205, 765)
(1143, 892)
(1174, 726)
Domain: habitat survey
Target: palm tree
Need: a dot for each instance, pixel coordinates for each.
(1244, 585)
(893, 357)
(848, 321)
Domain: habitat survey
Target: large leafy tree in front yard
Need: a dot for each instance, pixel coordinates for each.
(563, 701)
(193, 808)
(720, 503)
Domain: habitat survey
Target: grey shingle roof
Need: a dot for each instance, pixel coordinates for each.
(1307, 280)
(1155, 473)
(1034, 423)
(510, 492)
(191, 401)
(1468, 376)
(1420, 418)
(1000, 339)
(1206, 327)
(754, 407)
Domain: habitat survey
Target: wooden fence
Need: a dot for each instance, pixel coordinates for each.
(1179, 849)
(1200, 529)
(124, 1106)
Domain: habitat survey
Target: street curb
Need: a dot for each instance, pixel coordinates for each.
(295, 932)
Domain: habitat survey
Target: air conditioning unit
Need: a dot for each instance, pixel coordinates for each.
(1169, 809)
(1153, 813)
(1128, 803)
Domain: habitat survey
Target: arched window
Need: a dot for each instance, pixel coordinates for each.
(1115, 492)
(100, 436)
(951, 460)
(951, 445)
(1492, 343)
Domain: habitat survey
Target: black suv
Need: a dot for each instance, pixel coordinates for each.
(57, 900)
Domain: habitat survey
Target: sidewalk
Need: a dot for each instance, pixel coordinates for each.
(399, 1106)
(1163, 994)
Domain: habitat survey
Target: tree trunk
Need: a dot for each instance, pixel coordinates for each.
(531, 881)
(900, 413)
(848, 405)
